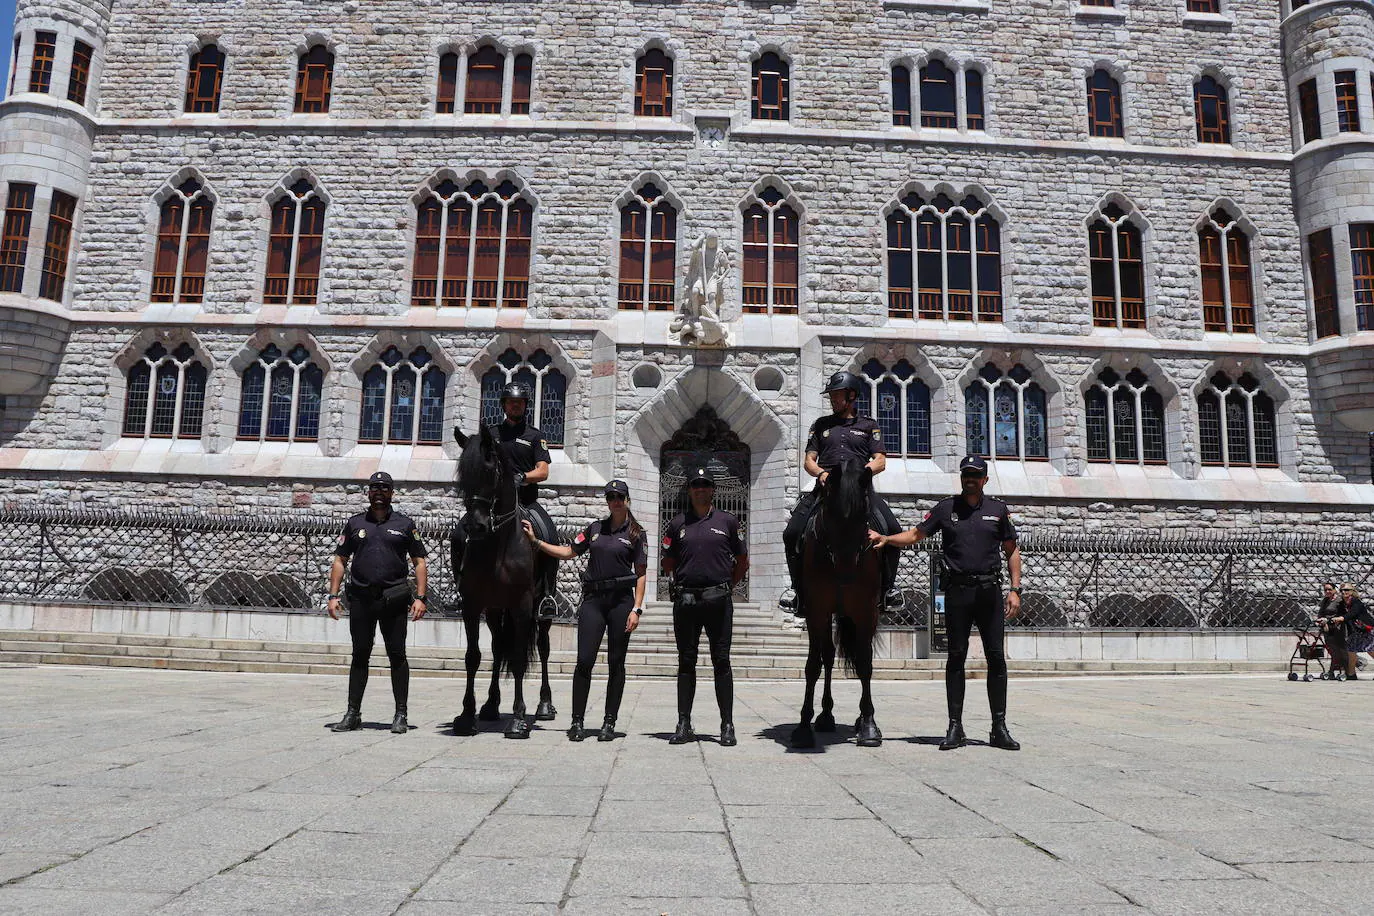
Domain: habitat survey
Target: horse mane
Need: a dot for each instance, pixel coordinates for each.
(851, 495)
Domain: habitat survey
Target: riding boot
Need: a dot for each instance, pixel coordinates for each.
(892, 596)
(792, 603)
(575, 730)
(954, 736)
(727, 734)
(351, 721)
(607, 732)
(684, 733)
(1000, 737)
(399, 725)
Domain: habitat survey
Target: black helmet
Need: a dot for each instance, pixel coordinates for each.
(842, 381)
(516, 390)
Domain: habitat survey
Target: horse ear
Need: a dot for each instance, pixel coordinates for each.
(486, 436)
(460, 437)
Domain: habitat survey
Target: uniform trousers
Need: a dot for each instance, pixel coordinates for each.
(966, 605)
(365, 615)
(717, 618)
(608, 613)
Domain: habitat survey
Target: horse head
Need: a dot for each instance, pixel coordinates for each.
(482, 478)
(844, 504)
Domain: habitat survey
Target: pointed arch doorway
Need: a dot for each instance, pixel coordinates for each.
(705, 440)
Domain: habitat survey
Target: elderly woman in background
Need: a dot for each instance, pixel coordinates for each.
(1333, 634)
(1359, 627)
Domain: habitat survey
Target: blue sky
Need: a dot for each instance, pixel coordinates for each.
(6, 39)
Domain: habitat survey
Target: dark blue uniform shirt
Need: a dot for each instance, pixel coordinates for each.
(972, 536)
(614, 553)
(379, 549)
(524, 447)
(834, 439)
(703, 547)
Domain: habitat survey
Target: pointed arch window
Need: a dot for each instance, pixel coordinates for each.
(946, 256)
(183, 244)
(901, 95)
(79, 77)
(295, 247)
(1104, 106)
(772, 90)
(1117, 266)
(164, 397)
(204, 80)
(314, 81)
(939, 96)
(1236, 426)
(446, 98)
(1211, 111)
(648, 251)
(1125, 419)
(547, 409)
(772, 248)
(403, 400)
(1228, 299)
(654, 84)
(280, 400)
(900, 402)
(472, 246)
(1005, 415)
(486, 76)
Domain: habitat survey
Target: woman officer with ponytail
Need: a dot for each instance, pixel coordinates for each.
(612, 601)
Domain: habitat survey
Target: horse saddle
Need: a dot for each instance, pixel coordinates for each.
(543, 525)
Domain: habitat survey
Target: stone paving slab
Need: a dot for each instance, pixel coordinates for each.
(135, 791)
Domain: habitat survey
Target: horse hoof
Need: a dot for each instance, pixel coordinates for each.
(490, 711)
(875, 741)
(867, 733)
(464, 724)
(825, 722)
(803, 736)
(518, 728)
(545, 712)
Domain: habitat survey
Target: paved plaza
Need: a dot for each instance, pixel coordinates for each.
(175, 792)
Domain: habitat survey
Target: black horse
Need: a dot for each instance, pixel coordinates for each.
(841, 588)
(501, 582)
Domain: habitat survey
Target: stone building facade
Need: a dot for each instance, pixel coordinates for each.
(1157, 211)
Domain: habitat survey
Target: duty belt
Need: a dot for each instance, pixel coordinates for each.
(600, 586)
(689, 596)
(974, 579)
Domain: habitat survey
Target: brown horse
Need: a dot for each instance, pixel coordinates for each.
(841, 589)
(501, 583)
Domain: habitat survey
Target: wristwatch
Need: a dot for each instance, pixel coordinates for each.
(335, 595)
(421, 599)
(1015, 590)
(639, 611)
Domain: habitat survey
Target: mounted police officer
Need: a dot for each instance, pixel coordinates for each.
(976, 530)
(706, 557)
(842, 435)
(527, 454)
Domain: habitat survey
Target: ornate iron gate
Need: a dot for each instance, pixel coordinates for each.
(705, 440)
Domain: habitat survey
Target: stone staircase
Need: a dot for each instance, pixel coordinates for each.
(763, 646)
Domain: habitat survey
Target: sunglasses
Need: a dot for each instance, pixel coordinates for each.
(702, 485)
(614, 498)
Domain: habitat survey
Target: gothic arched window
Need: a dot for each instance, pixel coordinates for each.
(1105, 118)
(204, 81)
(550, 387)
(772, 255)
(1236, 423)
(164, 397)
(654, 84)
(314, 81)
(403, 400)
(939, 96)
(1005, 414)
(1117, 267)
(1212, 111)
(457, 266)
(280, 400)
(183, 244)
(295, 247)
(486, 79)
(648, 251)
(1125, 419)
(949, 255)
(1228, 299)
(446, 97)
(901, 95)
(772, 91)
(900, 402)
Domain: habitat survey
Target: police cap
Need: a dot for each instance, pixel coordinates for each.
(380, 479)
(701, 475)
(973, 464)
(618, 488)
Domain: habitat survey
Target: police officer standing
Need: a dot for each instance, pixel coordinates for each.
(527, 454)
(378, 541)
(705, 556)
(975, 528)
(612, 601)
(834, 439)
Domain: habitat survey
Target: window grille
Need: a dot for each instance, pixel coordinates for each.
(900, 402)
(1236, 426)
(280, 400)
(1005, 415)
(1125, 419)
(165, 395)
(403, 400)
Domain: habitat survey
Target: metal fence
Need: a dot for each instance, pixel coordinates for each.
(281, 562)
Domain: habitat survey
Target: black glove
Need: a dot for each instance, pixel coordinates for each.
(519, 478)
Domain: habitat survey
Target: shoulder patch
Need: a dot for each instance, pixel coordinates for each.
(544, 443)
(581, 536)
(877, 433)
(667, 541)
(826, 434)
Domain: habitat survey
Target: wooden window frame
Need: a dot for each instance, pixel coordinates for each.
(57, 246)
(1309, 111)
(199, 74)
(1118, 311)
(1321, 262)
(781, 75)
(79, 76)
(658, 73)
(471, 290)
(1115, 125)
(1362, 273)
(658, 231)
(14, 245)
(446, 90)
(300, 284)
(937, 301)
(774, 296)
(933, 118)
(188, 240)
(1347, 101)
(1233, 256)
(314, 80)
(485, 104)
(1204, 7)
(1208, 131)
(42, 62)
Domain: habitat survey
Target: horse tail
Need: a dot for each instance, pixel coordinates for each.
(855, 637)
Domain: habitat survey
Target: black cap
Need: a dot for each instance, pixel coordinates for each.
(380, 479)
(701, 474)
(618, 488)
(973, 464)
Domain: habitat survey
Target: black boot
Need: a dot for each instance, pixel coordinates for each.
(575, 730)
(684, 733)
(727, 734)
(607, 732)
(954, 736)
(399, 725)
(1000, 737)
(894, 599)
(351, 721)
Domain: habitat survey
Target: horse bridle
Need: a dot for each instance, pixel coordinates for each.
(497, 521)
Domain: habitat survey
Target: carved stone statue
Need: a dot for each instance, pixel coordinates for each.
(703, 296)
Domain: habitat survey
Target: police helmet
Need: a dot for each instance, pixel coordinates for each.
(516, 390)
(842, 381)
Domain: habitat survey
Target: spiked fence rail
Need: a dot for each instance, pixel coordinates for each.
(278, 561)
